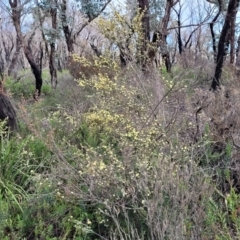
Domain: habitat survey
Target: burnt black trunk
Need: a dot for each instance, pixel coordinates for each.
(66, 29)
(36, 70)
(7, 112)
(232, 7)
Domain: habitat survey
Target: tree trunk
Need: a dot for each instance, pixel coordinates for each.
(7, 112)
(52, 57)
(179, 37)
(37, 71)
(237, 53)
(211, 25)
(180, 44)
(163, 35)
(232, 7)
(66, 30)
(15, 56)
(232, 34)
(144, 8)
(41, 20)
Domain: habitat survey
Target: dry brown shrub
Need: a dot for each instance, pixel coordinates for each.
(79, 69)
(221, 111)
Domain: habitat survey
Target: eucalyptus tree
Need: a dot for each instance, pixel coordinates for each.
(155, 20)
(10, 45)
(163, 29)
(89, 9)
(161, 33)
(18, 8)
(49, 8)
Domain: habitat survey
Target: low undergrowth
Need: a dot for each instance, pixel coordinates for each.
(104, 160)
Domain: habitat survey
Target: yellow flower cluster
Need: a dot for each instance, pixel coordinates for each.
(131, 132)
(117, 28)
(83, 60)
(104, 83)
(95, 166)
(137, 22)
(103, 72)
(102, 119)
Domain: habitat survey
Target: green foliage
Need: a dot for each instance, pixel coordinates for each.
(45, 215)
(25, 87)
(46, 89)
(12, 172)
(20, 89)
(31, 204)
(91, 8)
(223, 213)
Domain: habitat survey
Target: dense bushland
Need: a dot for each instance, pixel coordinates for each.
(126, 141)
(121, 154)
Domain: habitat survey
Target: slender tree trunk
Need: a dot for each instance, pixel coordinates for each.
(232, 7)
(232, 34)
(37, 71)
(179, 37)
(163, 35)
(52, 57)
(66, 30)
(15, 56)
(41, 20)
(211, 25)
(237, 53)
(180, 44)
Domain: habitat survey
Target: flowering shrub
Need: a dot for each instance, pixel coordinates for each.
(109, 159)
